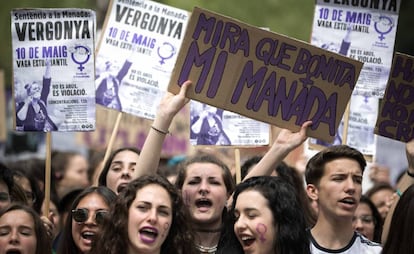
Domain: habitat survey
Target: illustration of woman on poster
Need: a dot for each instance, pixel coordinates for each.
(108, 84)
(31, 114)
(207, 127)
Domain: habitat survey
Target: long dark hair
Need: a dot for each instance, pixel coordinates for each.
(43, 242)
(66, 242)
(114, 235)
(400, 238)
(107, 166)
(378, 221)
(288, 218)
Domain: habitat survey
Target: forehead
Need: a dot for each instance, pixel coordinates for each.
(206, 169)
(93, 201)
(126, 156)
(17, 217)
(244, 200)
(154, 193)
(381, 194)
(23, 182)
(363, 208)
(342, 165)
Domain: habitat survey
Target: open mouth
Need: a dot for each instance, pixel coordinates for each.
(247, 240)
(121, 187)
(204, 203)
(88, 235)
(349, 201)
(148, 235)
(13, 252)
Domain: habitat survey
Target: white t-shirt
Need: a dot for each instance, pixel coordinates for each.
(358, 244)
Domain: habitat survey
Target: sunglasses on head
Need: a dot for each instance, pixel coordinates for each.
(81, 215)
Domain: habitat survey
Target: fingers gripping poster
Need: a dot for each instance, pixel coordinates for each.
(53, 69)
(136, 55)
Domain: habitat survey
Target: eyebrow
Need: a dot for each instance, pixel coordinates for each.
(151, 204)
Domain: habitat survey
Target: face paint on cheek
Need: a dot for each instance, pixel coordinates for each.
(186, 198)
(261, 229)
(166, 229)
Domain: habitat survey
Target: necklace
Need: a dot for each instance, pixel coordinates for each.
(204, 249)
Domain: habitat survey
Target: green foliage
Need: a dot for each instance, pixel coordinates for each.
(290, 18)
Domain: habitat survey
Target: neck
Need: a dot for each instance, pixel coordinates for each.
(333, 234)
(207, 239)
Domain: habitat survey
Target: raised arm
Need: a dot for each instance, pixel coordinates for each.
(285, 142)
(150, 155)
(406, 181)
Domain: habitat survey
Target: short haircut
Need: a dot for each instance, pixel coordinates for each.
(316, 165)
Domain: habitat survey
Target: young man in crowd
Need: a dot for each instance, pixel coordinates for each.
(334, 178)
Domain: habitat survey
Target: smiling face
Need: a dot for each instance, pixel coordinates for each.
(121, 169)
(254, 226)
(17, 233)
(149, 219)
(205, 193)
(339, 189)
(83, 233)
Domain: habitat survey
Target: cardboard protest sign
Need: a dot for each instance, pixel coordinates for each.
(264, 75)
(136, 55)
(54, 69)
(396, 114)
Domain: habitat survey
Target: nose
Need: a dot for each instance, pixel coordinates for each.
(204, 188)
(350, 185)
(91, 219)
(152, 216)
(14, 237)
(357, 224)
(239, 225)
(126, 173)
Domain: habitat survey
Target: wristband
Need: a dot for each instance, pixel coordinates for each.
(163, 132)
(410, 174)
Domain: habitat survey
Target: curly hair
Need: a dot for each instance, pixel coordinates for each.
(114, 235)
(288, 218)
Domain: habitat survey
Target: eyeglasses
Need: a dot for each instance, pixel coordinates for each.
(81, 215)
(4, 197)
(365, 219)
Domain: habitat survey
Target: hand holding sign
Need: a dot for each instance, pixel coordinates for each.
(264, 76)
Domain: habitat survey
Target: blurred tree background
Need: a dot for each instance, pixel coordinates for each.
(291, 18)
